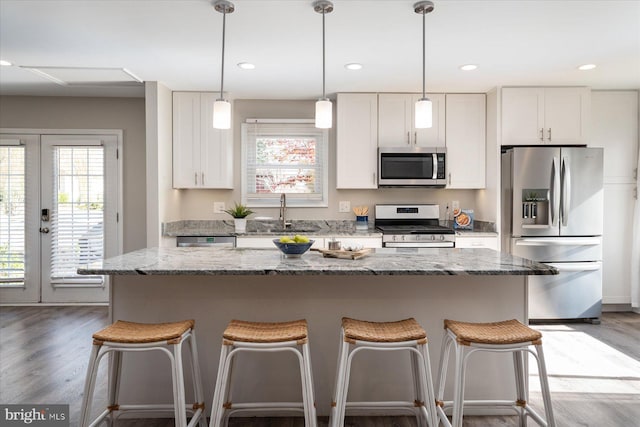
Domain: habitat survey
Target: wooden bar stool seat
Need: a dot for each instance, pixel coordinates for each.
(243, 336)
(504, 336)
(403, 335)
(167, 338)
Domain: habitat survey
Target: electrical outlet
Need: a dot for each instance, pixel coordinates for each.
(218, 207)
(345, 206)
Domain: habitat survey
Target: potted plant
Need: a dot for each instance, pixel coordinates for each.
(239, 213)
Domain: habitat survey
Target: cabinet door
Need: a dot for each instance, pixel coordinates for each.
(466, 148)
(566, 113)
(395, 120)
(522, 116)
(357, 138)
(367, 242)
(464, 242)
(435, 135)
(186, 139)
(216, 149)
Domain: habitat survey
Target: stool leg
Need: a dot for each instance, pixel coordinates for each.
(445, 349)
(343, 388)
(179, 406)
(544, 385)
(216, 406)
(115, 370)
(89, 385)
(428, 392)
(418, 395)
(334, 418)
(309, 399)
(458, 389)
(197, 378)
(521, 392)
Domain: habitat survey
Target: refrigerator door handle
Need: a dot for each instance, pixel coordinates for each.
(554, 194)
(576, 266)
(565, 195)
(563, 241)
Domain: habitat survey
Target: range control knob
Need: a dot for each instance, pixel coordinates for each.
(441, 237)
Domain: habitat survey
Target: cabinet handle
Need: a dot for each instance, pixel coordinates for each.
(409, 138)
(202, 178)
(541, 134)
(415, 138)
(195, 175)
(374, 178)
(449, 178)
(549, 134)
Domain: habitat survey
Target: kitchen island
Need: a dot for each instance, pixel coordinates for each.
(215, 285)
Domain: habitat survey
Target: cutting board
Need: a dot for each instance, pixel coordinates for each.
(329, 253)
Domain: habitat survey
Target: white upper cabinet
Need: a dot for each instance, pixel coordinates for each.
(202, 155)
(466, 140)
(396, 121)
(357, 140)
(535, 116)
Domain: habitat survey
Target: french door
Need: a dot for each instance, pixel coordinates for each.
(58, 211)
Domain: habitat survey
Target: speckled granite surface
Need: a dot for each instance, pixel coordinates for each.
(273, 227)
(384, 261)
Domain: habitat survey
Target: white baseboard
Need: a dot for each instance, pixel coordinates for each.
(616, 307)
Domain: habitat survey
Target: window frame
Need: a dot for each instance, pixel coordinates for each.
(284, 127)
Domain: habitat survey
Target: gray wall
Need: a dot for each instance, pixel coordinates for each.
(128, 114)
(198, 204)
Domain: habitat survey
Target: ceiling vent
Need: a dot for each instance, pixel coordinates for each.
(86, 76)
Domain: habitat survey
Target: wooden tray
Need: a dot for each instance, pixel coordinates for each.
(329, 253)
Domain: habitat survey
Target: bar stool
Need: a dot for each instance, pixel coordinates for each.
(241, 336)
(403, 335)
(506, 336)
(123, 337)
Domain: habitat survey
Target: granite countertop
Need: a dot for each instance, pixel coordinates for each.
(382, 261)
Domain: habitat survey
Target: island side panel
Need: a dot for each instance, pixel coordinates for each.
(323, 300)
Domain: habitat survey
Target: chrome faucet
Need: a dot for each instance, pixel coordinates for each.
(283, 210)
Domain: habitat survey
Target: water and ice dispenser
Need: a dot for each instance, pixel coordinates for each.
(535, 206)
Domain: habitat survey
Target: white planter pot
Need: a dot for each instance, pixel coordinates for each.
(241, 225)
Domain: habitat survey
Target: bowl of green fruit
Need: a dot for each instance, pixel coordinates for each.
(293, 247)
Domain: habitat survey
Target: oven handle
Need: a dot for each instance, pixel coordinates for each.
(420, 245)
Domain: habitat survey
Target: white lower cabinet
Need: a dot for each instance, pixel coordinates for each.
(471, 242)
(366, 242)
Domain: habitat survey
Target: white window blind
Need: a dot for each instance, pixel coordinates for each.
(77, 219)
(12, 215)
(286, 158)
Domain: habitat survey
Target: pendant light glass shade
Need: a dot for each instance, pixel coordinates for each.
(222, 114)
(424, 113)
(324, 114)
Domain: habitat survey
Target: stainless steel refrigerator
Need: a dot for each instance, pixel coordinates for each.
(552, 206)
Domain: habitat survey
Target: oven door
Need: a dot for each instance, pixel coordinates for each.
(410, 167)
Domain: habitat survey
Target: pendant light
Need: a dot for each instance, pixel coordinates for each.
(423, 108)
(324, 113)
(222, 107)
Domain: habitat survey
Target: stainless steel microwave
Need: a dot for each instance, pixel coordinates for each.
(411, 167)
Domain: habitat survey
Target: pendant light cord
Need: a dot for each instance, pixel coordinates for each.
(323, 59)
(424, 55)
(224, 19)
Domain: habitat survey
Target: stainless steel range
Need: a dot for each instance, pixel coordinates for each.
(412, 226)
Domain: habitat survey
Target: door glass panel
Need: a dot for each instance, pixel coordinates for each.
(77, 230)
(12, 215)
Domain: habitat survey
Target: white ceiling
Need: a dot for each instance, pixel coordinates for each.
(179, 43)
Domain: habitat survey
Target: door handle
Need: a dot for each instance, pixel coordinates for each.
(44, 230)
(565, 195)
(554, 193)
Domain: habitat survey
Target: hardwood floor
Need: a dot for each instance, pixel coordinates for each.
(594, 370)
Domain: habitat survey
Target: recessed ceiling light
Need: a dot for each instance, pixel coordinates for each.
(246, 66)
(5, 63)
(468, 67)
(353, 66)
(587, 67)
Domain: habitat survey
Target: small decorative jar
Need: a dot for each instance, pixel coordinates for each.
(362, 223)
